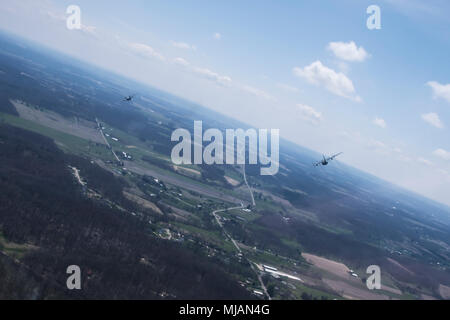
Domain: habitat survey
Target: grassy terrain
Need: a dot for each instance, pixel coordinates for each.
(213, 237)
(14, 250)
(313, 293)
(247, 216)
(265, 257)
(68, 143)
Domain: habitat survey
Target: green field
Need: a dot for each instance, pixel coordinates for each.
(213, 237)
(14, 250)
(68, 143)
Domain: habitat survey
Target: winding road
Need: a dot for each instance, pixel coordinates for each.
(249, 189)
(258, 275)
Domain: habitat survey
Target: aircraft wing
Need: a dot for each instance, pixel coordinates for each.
(334, 156)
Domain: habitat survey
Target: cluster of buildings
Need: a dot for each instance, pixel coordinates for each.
(126, 156)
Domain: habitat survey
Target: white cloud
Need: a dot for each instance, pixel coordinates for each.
(401, 156)
(376, 144)
(440, 90)
(217, 36)
(219, 79)
(348, 51)
(337, 83)
(145, 51)
(378, 147)
(425, 161)
(257, 92)
(183, 45)
(88, 29)
(445, 173)
(56, 16)
(443, 154)
(213, 76)
(309, 114)
(181, 62)
(380, 122)
(287, 87)
(404, 158)
(204, 72)
(433, 119)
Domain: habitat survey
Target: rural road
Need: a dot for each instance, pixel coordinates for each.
(106, 141)
(258, 275)
(249, 189)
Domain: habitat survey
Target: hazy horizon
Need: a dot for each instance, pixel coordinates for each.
(400, 136)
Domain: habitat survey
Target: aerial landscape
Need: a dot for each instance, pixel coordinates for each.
(88, 179)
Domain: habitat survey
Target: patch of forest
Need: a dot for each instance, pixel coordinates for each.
(41, 204)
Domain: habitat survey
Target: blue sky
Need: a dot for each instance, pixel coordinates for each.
(310, 68)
